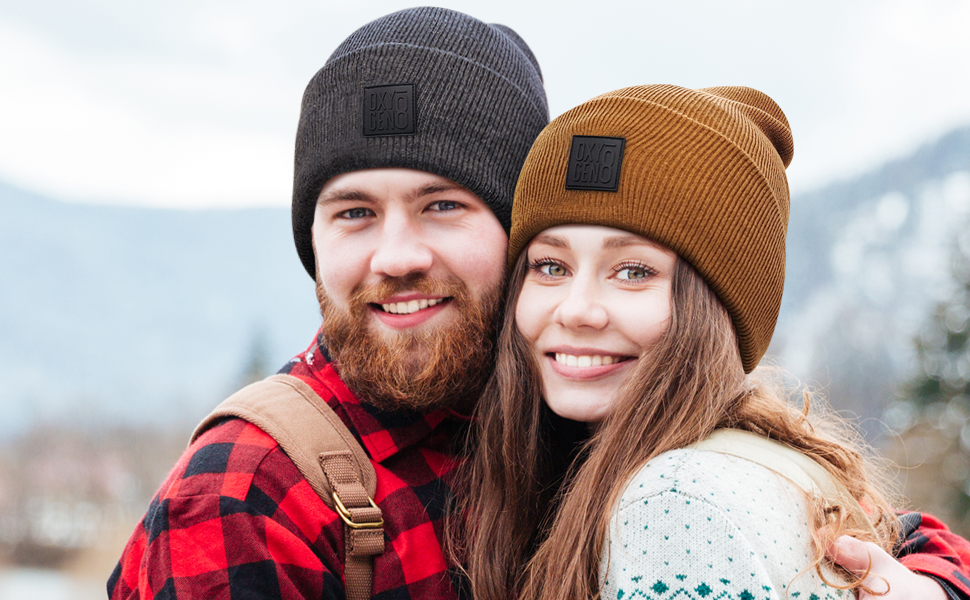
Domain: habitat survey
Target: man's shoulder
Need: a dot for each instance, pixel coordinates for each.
(228, 460)
(233, 511)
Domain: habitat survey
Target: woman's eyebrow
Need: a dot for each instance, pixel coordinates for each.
(551, 240)
(622, 241)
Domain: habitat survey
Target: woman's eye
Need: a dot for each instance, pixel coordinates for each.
(355, 213)
(632, 273)
(553, 270)
(547, 267)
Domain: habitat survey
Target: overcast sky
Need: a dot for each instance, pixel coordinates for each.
(194, 103)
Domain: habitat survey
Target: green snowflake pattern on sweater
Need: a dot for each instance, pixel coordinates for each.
(697, 525)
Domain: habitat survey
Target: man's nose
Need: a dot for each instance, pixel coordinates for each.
(402, 249)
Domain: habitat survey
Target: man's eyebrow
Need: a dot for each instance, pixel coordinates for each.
(355, 195)
(551, 240)
(434, 188)
(347, 195)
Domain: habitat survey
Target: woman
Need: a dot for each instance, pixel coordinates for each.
(647, 241)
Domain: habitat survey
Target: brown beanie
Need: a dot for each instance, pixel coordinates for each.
(700, 171)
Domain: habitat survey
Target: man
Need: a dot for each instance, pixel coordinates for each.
(410, 141)
(409, 144)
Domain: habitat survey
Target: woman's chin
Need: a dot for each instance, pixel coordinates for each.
(585, 406)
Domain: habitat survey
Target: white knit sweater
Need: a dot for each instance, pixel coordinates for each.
(699, 525)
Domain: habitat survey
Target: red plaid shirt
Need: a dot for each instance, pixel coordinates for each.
(928, 546)
(235, 518)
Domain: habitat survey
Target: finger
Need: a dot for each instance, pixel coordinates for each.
(866, 560)
(850, 554)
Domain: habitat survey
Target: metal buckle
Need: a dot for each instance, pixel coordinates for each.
(348, 519)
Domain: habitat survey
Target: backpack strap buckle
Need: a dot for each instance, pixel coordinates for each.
(348, 518)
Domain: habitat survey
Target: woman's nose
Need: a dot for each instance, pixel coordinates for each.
(582, 306)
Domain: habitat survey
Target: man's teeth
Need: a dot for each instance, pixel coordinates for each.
(584, 361)
(406, 308)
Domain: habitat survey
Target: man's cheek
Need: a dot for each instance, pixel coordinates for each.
(335, 286)
(483, 269)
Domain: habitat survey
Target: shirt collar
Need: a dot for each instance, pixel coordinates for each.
(383, 433)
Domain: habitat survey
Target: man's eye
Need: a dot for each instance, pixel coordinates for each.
(444, 205)
(355, 213)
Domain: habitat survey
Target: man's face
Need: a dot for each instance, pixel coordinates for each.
(410, 272)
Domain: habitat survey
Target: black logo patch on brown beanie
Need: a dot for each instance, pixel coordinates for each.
(594, 163)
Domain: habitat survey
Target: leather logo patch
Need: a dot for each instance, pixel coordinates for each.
(389, 110)
(594, 163)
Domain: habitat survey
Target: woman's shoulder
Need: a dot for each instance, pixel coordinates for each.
(735, 518)
(736, 492)
(719, 479)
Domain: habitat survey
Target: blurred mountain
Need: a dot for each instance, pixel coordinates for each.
(867, 261)
(134, 316)
(112, 315)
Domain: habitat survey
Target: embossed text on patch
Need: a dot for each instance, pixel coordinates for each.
(389, 110)
(594, 163)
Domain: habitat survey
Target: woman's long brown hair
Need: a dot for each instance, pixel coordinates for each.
(537, 490)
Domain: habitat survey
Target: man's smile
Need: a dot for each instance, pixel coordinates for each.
(409, 309)
(406, 307)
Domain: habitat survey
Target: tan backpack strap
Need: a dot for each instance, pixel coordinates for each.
(791, 464)
(328, 457)
(364, 527)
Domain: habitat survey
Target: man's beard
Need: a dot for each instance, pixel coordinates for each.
(431, 368)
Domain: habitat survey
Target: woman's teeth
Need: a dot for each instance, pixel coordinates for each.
(406, 308)
(584, 361)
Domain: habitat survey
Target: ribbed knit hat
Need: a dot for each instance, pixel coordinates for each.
(425, 88)
(700, 171)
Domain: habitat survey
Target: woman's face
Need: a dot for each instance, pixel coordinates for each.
(594, 302)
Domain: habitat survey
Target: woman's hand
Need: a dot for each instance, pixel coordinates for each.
(903, 584)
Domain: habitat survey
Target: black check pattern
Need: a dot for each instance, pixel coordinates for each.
(236, 520)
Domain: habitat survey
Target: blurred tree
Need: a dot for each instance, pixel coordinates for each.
(257, 365)
(935, 411)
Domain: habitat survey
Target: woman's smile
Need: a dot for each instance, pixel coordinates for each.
(586, 363)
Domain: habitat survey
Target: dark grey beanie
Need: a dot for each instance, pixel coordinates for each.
(424, 88)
